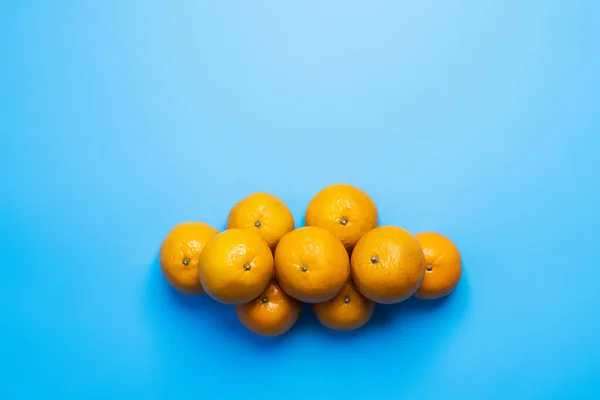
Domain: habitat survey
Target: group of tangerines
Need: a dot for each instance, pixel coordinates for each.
(341, 262)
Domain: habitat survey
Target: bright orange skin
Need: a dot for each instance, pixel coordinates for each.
(443, 266)
(387, 265)
(345, 210)
(347, 311)
(235, 266)
(179, 254)
(264, 212)
(321, 254)
(271, 314)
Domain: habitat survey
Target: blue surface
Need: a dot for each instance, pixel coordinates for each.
(119, 119)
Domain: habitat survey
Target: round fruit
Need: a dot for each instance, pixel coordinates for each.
(264, 212)
(443, 266)
(179, 254)
(387, 265)
(346, 311)
(235, 266)
(311, 264)
(270, 314)
(345, 210)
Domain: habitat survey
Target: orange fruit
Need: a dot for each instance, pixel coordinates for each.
(270, 314)
(345, 210)
(346, 311)
(443, 265)
(387, 265)
(179, 254)
(311, 264)
(264, 212)
(235, 266)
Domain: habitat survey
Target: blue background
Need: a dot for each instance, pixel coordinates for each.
(477, 119)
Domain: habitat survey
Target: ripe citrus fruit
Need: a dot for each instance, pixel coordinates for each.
(270, 314)
(443, 266)
(387, 265)
(264, 212)
(235, 266)
(345, 210)
(346, 311)
(179, 254)
(311, 264)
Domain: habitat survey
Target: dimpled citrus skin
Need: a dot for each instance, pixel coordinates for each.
(345, 210)
(311, 264)
(179, 254)
(235, 266)
(443, 266)
(271, 314)
(347, 311)
(387, 265)
(264, 212)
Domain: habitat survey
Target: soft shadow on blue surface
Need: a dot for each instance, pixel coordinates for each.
(203, 308)
(412, 313)
(223, 317)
